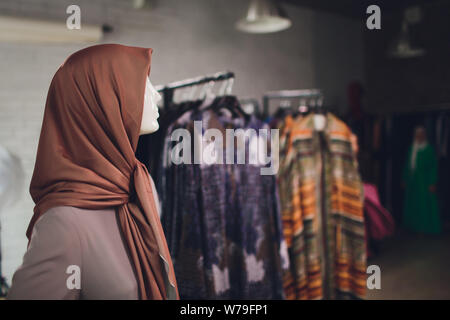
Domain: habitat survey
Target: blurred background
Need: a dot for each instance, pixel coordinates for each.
(384, 83)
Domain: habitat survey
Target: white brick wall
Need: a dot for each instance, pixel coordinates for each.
(190, 38)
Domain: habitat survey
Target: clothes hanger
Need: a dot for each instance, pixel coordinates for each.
(205, 96)
(222, 100)
(232, 103)
(319, 118)
(303, 107)
(192, 92)
(283, 109)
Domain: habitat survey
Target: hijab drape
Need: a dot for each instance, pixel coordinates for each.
(86, 155)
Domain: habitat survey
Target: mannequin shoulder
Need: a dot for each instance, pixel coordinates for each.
(54, 232)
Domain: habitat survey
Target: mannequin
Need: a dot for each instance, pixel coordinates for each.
(150, 113)
(95, 232)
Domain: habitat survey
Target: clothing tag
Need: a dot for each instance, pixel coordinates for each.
(319, 122)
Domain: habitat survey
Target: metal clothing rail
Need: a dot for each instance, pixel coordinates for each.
(168, 89)
(289, 94)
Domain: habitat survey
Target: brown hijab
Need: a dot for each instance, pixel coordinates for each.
(86, 155)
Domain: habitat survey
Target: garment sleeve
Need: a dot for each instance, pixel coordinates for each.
(52, 262)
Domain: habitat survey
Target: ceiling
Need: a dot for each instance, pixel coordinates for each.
(355, 8)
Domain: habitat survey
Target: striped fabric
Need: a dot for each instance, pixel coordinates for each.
(322, 210)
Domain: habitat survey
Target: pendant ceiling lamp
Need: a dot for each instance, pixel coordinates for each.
(263, 16)
(401, 47)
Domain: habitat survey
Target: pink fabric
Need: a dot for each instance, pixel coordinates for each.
(379, 222)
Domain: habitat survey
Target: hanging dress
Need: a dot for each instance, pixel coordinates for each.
(420, 209)
(322, 211)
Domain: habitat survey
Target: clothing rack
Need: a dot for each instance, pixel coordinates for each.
(289, 94)
(169, 89)
(391, 118)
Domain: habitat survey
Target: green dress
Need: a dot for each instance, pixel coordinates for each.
(421, 212)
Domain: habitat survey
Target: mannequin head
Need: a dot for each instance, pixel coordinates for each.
(150, 113)
(420, 135)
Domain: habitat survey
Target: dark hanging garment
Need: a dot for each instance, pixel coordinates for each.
(222, 221)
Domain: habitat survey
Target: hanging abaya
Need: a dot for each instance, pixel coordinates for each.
(420, 210)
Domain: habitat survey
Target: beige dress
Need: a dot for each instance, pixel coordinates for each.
(68, 236)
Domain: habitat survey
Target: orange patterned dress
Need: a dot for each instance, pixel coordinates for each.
(321, 197)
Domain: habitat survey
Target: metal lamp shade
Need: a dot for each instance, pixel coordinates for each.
(263, 16)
